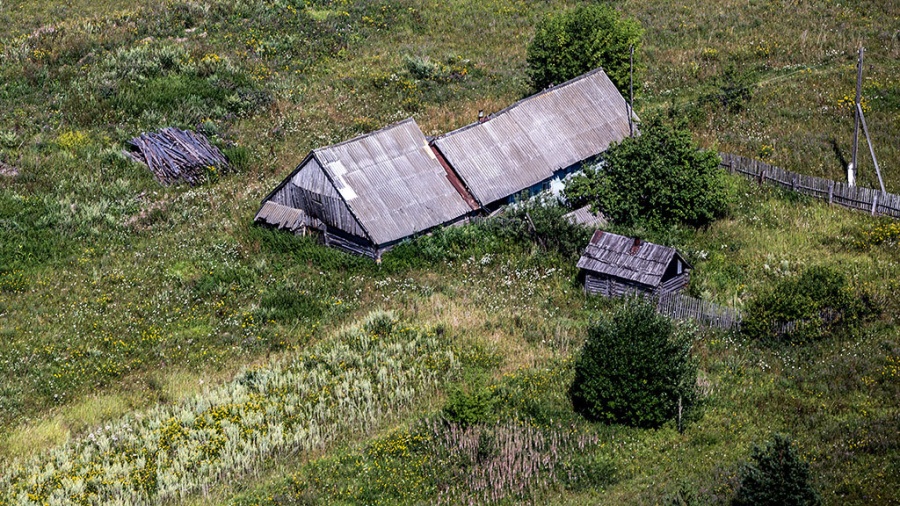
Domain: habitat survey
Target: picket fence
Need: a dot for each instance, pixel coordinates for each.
(874, 202)
(682, 307)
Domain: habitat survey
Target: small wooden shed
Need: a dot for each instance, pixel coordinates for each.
(614, 265)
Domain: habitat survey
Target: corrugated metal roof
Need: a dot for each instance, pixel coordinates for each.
(527, 142)
(584, 216)
(392, 182)
(624, 257)
(281, 216)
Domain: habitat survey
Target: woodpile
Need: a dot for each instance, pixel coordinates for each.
(176, 155)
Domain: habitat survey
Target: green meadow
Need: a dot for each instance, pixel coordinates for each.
(155, 343)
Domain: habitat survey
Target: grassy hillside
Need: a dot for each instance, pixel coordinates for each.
(119, 297)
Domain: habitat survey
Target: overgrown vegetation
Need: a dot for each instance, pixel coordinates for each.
(372, 371)
(568, 44)
(657, 179)
(119, 297)
(635, 369)
(817, 303)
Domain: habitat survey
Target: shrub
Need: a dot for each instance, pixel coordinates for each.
(657, 179)
(470, 406)
(534, 223)
(778, 476)
(541, 221)
(816, 304)
(570, 44)
(633, 369)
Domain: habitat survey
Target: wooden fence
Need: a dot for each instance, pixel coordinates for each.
(855, 197)
(682, 307)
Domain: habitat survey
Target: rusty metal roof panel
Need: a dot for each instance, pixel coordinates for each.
(530, 140)
(392, 182)
(627, 258)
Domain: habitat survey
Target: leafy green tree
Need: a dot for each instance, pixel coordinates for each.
(657, 179)
(813, 305)
(777, 476)
(633, 369)
(569, 44)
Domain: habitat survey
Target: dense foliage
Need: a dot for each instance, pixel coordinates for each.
(634, 369)
(467, 407)
(569, 44)
(817, 303)
(536, 225)
(658, 178)
(778, 476)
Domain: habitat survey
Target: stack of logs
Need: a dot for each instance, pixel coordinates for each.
(176, 155)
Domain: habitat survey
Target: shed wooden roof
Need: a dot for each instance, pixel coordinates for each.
(628, 258)
(529, 141)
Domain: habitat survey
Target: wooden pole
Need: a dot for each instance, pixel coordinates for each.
(631, 93)
(862, 118)
(851, 171)
(680, 427)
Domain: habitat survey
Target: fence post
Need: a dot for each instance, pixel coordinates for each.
(794, 183)
(830, 192)
(874, 203)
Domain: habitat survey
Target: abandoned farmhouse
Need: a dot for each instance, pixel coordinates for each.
(369, 193)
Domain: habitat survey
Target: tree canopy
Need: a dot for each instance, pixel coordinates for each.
(633, 369)
(658, 178)
(569, 44)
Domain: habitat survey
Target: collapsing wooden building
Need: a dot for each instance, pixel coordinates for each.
(367, 194)
(534, 143)
(615, 265)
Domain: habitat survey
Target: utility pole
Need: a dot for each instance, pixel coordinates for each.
(631, 93)
(862, 117)
(851, 170)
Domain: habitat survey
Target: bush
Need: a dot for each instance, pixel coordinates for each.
(633, 369)
(537, 223)
(568, 45)
(816, 304)
(470, 406)
(778, 476)
(657, 179)
(541, 221)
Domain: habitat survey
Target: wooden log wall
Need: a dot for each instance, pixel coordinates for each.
(675, 284)
(874, 202)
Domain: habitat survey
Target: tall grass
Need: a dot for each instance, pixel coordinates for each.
(373, 370)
